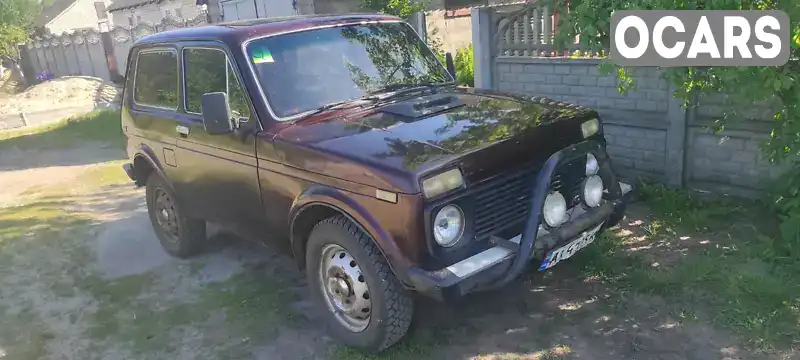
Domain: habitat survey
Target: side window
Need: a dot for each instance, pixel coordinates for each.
(207, 70)
(156, 80)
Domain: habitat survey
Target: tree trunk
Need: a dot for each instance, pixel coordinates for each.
(12, 78)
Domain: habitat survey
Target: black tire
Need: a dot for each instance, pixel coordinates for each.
(392, 305)
(190, 235)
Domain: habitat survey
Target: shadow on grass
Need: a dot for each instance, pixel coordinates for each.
(49, 251)
(41, 247)
(52, 214)
(21, 149)
(659, 286)
(557, 315)
(99, 125)
(608, 302)
(714, 257)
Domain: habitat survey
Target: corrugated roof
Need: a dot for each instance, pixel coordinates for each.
(523, 2)
(118, 5)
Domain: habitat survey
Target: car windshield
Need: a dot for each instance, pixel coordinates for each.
(306, 70)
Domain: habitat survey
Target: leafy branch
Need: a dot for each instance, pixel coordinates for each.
(16, 20)
(401, 8)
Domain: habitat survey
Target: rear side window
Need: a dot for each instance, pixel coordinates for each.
(156, 80)
(208, 70)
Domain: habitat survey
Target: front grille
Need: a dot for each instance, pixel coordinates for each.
(503, 202)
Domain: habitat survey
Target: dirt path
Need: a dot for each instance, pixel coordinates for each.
(83, 277)
(27, 170)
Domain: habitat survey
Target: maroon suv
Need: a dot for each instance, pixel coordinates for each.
(346, 137)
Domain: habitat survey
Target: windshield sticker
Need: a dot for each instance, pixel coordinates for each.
(261, 56)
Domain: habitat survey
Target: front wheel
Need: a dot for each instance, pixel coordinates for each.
(366, 305)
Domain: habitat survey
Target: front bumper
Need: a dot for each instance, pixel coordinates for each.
(496, 266)
(486, 267)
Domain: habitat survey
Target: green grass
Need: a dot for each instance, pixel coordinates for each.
(98, 176)
(98, 125)
(129, 313)
(27, 340)
(28, 232)
(737, 279)
(740, 281)
(420, 343)
(250, 307)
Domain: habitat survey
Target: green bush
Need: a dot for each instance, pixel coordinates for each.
(464, 63)
(787, 203)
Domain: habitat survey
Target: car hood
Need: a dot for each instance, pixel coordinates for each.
(396, 144)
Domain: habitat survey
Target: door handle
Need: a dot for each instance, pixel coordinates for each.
(183, 130)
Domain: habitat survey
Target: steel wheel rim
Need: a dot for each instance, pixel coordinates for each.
(344, 288)
(166, 215)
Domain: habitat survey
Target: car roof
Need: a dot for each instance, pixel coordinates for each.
(241, 30)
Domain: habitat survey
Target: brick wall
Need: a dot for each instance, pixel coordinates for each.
(730, 158)
(635, 124)
(649, 133)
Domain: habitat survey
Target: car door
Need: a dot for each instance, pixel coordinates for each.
(153, 103)
(218, 173)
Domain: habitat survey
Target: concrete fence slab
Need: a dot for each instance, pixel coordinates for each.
(650, 134)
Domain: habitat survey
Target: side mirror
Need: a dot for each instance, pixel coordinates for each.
(448, 59)
(216, 113)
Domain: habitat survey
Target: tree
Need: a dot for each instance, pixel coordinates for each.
(592, 18)
(742, 86)
(19, 13)
(16, 20)
(401, 8)
(408, 61)
(10, 37)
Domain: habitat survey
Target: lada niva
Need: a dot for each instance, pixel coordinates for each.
(346, 138)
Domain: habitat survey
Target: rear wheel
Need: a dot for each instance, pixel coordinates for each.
(179, 235)
(366, 306)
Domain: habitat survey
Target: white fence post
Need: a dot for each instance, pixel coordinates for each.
(417, 21)
(482, 33)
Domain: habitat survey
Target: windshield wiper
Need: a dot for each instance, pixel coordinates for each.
(386, 92)
(393, 90)
(334, 105)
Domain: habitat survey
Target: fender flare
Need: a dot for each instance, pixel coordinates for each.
(343, 203)
(145, 152)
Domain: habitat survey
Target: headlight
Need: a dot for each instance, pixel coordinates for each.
(448, 226)
(442, 183)
(592, 166)
(590, 128)
(555, 209)
(593, 191)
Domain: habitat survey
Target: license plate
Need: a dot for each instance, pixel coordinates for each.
(565, 252)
